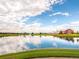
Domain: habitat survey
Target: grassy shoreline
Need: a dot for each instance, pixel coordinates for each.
(39, 34)
(74, 53)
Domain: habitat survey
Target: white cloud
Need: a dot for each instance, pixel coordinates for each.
(72, 25)
(60, 1)
(61, 13)
(12, 11)
(25, 7)
(54, 28)
(76, 23)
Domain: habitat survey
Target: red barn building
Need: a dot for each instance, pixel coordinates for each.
(68, 31)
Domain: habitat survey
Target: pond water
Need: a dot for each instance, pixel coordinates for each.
(22, 43)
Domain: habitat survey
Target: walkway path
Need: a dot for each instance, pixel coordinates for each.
(56, 58)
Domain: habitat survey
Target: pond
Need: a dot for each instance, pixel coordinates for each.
(23, 43)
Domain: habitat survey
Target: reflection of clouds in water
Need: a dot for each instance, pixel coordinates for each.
(11, 44)
(55, 45)
(49, 41)
(20, 43)
(60, 43)
(66, 44)
(35, 40)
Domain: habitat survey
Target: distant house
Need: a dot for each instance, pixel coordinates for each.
(68, 31)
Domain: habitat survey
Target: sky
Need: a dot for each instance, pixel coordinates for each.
(38, 15)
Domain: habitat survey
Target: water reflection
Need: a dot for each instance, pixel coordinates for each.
(22, 43)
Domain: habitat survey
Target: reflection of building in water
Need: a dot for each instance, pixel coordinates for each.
(76, 40)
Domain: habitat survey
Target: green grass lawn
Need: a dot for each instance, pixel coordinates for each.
(43, 53)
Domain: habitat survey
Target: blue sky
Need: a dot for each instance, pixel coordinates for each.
(68, 6)
(39, 15)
